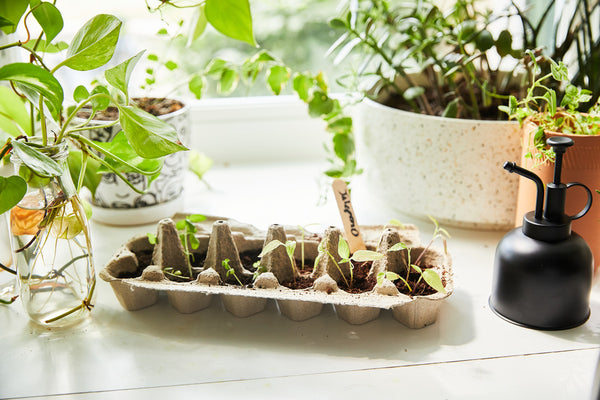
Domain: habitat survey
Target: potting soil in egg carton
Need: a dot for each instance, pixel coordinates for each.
(140, 270)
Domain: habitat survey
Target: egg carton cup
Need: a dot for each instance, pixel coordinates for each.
(221, 238)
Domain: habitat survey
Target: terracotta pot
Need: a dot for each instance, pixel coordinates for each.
(581, 163)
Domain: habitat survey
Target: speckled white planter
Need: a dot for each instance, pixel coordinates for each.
(448, 168)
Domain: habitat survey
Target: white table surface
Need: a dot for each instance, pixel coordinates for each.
(469, 353)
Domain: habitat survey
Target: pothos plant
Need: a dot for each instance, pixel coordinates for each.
(233, 18)
(540, 106)
(36, 106)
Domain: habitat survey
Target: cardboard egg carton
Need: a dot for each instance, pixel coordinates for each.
(137, 287)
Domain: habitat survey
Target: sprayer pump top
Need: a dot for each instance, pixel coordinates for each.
(550, 224)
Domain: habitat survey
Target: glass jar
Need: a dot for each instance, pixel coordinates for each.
(51, 244)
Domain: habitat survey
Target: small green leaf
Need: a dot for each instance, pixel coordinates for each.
(14, 117)
(366, 255)
(45, 47)
(277, 77)
(232, 18)
(11, 12)
(199, 163)
(343, 249)
(216, 67)
(320, 104)
(228, 81)
(40, 163)
(196, 217)
(433, 279)
(80, 93)
(302, 84)
(152, 57)
(392, 276)
(198, 24)
(101, 102)
(119, 75)
(194, 242)
(413, 92)
(398, 246)
(149, 136)
(151, 238)
(416, 268)
(451, 110)
(35, 79)
(290, 247)
(94, 44)
(269, 247)
(343, 146)
(12, 189)
(171, 65)
(504, 43)
(484, 40)
(196, 85)
(337, 23)
(396, 222)
(49, 18)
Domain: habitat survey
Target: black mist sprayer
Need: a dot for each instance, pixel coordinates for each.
(543, 271)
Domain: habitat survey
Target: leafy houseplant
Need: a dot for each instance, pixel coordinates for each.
(443, 62)
(50, 234)
(541, 116)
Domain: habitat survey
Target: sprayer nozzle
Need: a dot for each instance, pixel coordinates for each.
(510, 166)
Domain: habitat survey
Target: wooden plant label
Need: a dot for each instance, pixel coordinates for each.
(353, 236)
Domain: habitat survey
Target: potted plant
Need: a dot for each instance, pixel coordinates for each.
(448, 64)
(157, 197)
(48, 221)
(540, 116)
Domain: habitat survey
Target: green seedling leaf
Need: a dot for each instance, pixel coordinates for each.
(451, 110)
(366, 255)
(341, 126)
(11, 12)
(416, 268)
(101, 102)
(232, 18)
(12, 190)
(196, 217)
(559, 71)
(290, 247)
(94, 44)
(194, 242)
(216, 66)
(433, 279)
(119, 75)
(33, 78)
(39, 163)
(398, 246)
(337, 23)
(152, 239)
(14, 118)
(396, 222)
(343, 249)
(277, 77)
(149, 136)
(49, 18)
(389, 275)
(269, 247)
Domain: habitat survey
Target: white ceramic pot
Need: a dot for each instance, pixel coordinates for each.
(115, 203)
(448, 168)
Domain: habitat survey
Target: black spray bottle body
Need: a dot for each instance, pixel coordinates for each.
(543, 271)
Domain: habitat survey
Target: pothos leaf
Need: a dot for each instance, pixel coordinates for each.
(40, 163)
(12, 190)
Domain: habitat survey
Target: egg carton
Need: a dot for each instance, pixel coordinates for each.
(137, 287)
